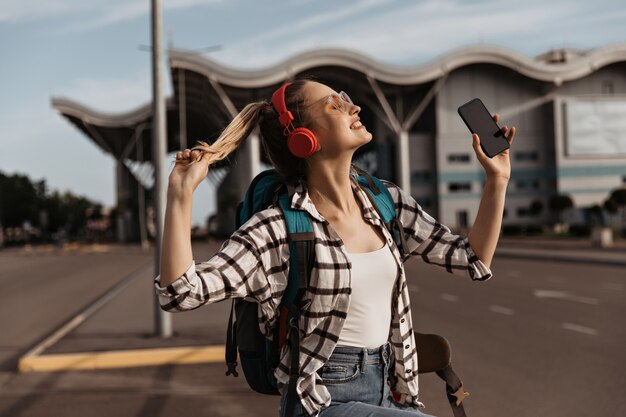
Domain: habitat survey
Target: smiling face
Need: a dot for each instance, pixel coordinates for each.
(334, 120)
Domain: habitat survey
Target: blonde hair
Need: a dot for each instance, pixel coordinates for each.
(233, 135)
(273, 140)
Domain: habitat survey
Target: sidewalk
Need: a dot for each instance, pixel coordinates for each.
(118, 332)
(558, 249)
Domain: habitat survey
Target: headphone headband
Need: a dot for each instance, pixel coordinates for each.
(278, 100)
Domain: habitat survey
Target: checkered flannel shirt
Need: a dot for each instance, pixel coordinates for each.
(254, 264)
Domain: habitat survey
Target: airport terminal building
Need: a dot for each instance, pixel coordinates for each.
(569, 107)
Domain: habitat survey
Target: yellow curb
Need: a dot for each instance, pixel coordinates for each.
(121, 359)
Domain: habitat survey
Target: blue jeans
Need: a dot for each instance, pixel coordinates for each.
(357, 381)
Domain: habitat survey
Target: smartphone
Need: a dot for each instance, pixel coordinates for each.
(479, 121)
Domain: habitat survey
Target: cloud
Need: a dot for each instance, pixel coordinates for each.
(114, 95)
(416, 31)
(92, 15)
(38, 142)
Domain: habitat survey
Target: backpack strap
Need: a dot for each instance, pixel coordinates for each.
(302, 256)
(382, 201)
(231, 344)
(454, 390)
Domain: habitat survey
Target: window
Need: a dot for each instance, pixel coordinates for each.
(461, 218)
(420, 176)
(423, 201)
(527, 184)
(458, 157)
(607, 87)
(455, 187)
(526, 156)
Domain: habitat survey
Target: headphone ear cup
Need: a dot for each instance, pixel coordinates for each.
(302, 142)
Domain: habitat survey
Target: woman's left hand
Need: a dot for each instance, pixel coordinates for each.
(499, 166)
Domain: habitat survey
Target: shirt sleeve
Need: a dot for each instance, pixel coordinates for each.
(235, 271)
(432, 241)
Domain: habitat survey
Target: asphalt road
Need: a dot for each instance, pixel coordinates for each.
(540, 338)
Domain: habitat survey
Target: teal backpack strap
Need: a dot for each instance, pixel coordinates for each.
(301, 246)
(302, 255)
(382, 201)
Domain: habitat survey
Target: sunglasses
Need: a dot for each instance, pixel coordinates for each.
(339, 101)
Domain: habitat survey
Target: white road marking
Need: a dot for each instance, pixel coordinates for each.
(514, 273)
(502, 310)
(613, 286)
(449, 297)
(564, 295)
(579, 329)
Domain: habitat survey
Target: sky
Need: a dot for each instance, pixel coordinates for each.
(90, 51)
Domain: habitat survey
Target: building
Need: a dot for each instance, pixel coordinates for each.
(569, 107)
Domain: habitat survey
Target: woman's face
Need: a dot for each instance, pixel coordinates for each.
(334, 120)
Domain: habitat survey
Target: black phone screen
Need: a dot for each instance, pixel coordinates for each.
(479, 121)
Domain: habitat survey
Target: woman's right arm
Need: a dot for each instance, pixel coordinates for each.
(176, 254)
(239, 268)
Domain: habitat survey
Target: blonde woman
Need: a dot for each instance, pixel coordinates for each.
(357, 349)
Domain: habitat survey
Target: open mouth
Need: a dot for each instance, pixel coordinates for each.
(356, 125)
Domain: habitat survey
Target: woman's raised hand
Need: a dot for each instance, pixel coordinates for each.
(190, 169)
(499, 166)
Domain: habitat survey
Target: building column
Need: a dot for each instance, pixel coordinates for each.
(403, 169)
(250, 159)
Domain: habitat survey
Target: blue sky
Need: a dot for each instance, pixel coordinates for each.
(89, 51)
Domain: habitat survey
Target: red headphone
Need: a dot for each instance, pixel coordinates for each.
(300, 141)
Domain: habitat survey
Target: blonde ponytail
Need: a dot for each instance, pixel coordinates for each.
(234, 134)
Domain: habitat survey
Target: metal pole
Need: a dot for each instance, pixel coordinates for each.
(163, 322)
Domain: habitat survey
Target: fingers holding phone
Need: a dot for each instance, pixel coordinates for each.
(490, 141)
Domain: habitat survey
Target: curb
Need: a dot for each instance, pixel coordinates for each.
(121, 359)
(561, 258)
(30, 360)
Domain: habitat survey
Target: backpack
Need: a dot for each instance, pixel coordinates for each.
(260, 355)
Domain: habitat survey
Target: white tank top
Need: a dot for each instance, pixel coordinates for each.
(369, 313)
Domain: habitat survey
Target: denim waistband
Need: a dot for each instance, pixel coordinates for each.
(368, 356)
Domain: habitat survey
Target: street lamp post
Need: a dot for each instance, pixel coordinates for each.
(163, 321)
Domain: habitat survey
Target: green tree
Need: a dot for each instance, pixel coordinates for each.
(596, 214)
(24, 200)
(558, 203)
(619, 197)
(18, 200)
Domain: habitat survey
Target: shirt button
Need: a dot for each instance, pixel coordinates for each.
(408, 371)
(402, 321)
(407, 346)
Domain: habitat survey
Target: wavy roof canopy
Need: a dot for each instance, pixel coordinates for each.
(575, 66)
(202, 85)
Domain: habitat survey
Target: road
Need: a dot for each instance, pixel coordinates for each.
(540, 338)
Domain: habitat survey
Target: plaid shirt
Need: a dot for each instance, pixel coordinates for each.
(254, 264)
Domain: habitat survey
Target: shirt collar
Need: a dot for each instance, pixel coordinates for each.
(301, 200)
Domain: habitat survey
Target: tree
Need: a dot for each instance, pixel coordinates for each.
(22, 200)
(596, 214)
(19, 201)
(619, 197)
(558, 203)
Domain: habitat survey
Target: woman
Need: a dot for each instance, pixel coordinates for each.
(357, 350)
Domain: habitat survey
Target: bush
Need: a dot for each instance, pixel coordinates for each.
(579, 230)
(522, 230)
